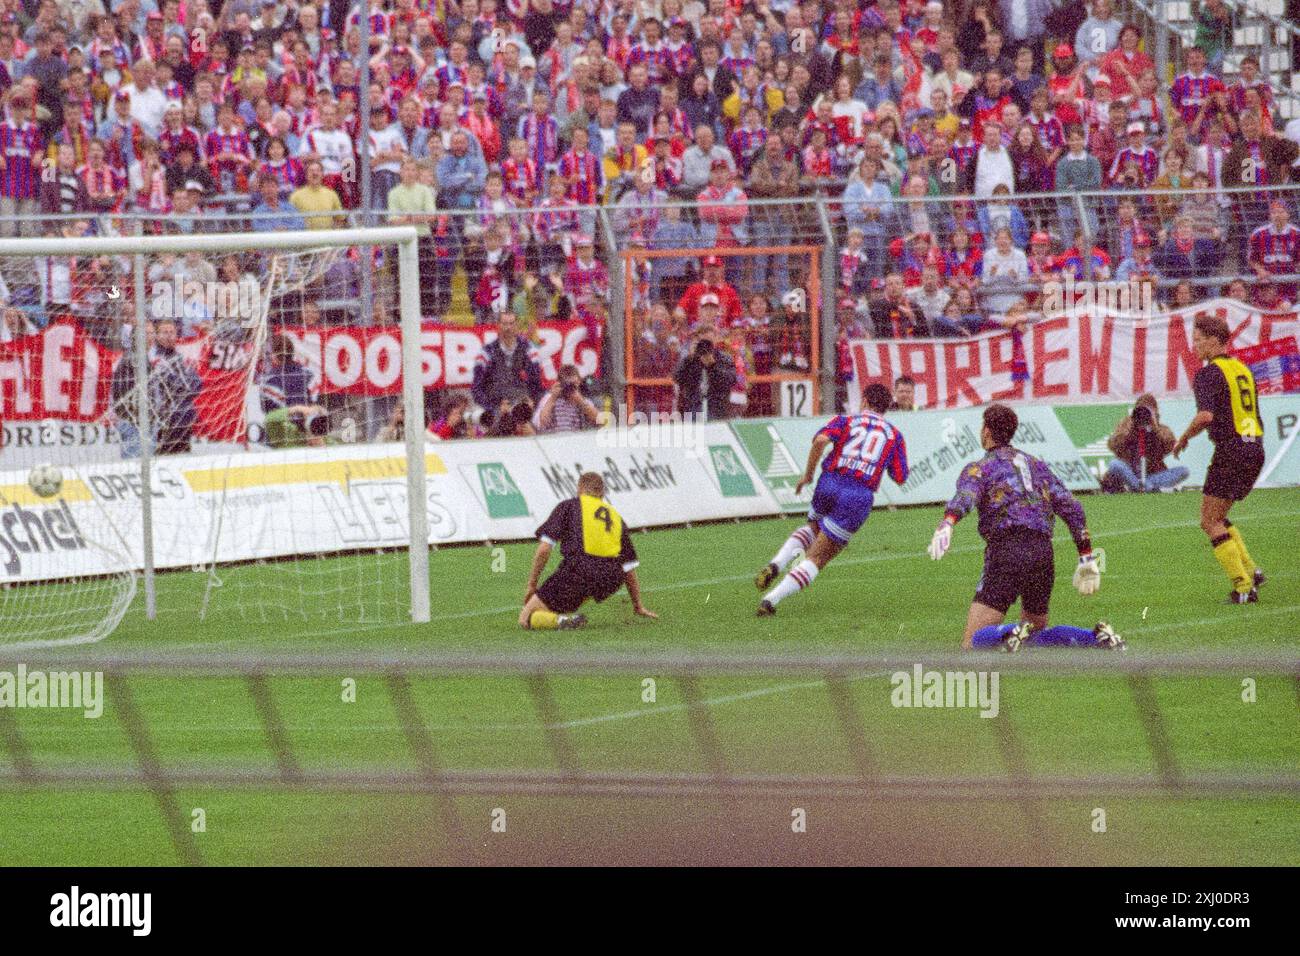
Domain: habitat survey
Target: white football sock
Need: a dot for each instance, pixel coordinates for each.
(801, 540)
(800, 577)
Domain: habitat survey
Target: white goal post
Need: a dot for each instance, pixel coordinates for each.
(42, 606)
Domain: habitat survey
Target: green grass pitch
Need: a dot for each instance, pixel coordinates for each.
(1162, 590)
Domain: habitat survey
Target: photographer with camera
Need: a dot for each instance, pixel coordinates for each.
(706, 375)
(1140, 443)
(515, 420)
(292, 418)
(564, 408)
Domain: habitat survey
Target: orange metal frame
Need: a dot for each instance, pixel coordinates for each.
(632, 381)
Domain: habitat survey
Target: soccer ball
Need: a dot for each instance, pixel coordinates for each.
(45, 480)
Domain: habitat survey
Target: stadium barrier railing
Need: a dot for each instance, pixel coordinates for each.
(568, 778)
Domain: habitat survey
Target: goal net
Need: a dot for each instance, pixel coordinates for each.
(227, 413)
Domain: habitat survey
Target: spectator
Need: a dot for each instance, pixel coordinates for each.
(698, 161)
(1214, 32)
(867, 206)
(724, 215)
(15, 324)
(1126, 63)
(461, 174)
(319, 204)
(185, 168)
(670, 274)
(711, 282)
(173, 386)
(1185, 255)
(63, 191)
(293, 419)
(1006, 271)
(993, 165)
(1141, 443)
(623, 162)
(1141, 266)
(1275, 248)
(704, 380)
(1000, 213)
(930, 297)
(893, 316)
(506, 370)
(21, 167)
(1026, 24)
(640, 101)
(564, 408)
(1099, 34)
(272, 215)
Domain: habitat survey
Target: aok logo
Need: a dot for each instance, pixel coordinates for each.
(36, 531)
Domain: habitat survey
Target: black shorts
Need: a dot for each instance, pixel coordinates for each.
(573, 584)
(1234, 469)
(1017, 566)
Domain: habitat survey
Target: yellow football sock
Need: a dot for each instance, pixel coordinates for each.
(544, 621)
(1250, 565)
(1229, 558)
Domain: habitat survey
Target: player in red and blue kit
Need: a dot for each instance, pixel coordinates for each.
(1018, 498)
(863, 448)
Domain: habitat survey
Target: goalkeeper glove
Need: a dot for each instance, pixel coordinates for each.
(942, 540)
(1087, 576)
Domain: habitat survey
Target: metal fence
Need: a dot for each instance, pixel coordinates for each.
(567, 776)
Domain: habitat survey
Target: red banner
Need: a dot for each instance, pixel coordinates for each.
(62, 373)
(1069, 358)
(368, 361)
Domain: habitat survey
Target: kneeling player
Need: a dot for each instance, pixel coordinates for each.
(1227, 405)
(597, 558)
(1018, 498)
(864, 447)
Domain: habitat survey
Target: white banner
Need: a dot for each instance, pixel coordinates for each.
(1075, 358)
(352, 498)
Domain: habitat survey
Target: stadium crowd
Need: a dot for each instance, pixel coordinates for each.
(499, 126)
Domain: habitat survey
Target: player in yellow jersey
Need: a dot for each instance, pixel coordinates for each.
(1227, 405)
(597, 558)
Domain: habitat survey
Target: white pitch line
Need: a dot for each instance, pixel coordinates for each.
(709, 702)
(1250, 612)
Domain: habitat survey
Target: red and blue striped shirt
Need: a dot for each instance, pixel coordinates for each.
(23, 151)
(1189, 93)
(864, 447)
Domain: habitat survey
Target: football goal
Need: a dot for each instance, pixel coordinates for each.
(219, 406)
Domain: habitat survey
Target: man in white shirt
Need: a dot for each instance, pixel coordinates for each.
(993, 163)
(931, 297)
(387, 148)
(147, 101)
(328, 141)
(1005, 267)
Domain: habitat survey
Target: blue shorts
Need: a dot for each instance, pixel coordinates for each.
(840, 506)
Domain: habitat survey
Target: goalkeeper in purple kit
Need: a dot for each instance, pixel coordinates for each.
(1018, 499)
